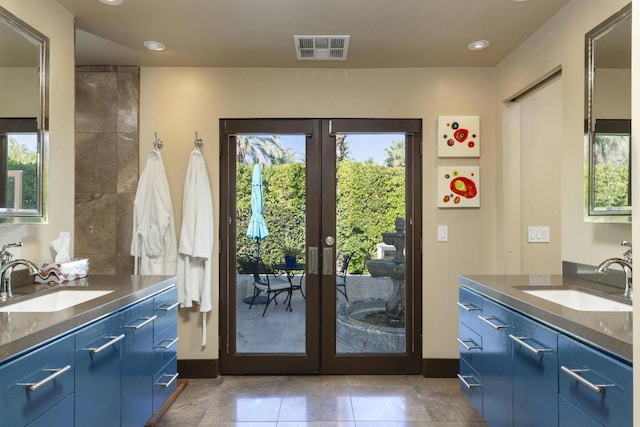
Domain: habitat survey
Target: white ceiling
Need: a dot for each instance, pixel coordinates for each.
(259, 33)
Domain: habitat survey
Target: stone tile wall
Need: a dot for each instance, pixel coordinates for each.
(106, 165)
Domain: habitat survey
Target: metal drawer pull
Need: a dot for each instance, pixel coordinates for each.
(168, 307)
(573, 373)
(520, 340)
(488, 320)
(56, 373)
(112, 340)
(168, 383)
(467, 307)
(468, 347)
(467, 384)
(171, 343)
(145, 321)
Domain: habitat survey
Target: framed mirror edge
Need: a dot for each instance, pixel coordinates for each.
(622, 215)
(40, 214)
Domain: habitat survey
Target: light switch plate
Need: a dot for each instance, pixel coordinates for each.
(538, 234)
(443, 233)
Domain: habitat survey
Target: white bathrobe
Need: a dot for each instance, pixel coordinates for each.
(196, 239)
(153, 240)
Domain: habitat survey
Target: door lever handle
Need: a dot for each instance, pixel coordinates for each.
(312, 268)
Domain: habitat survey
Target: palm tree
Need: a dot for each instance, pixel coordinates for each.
(342, 147)
(395, 154)
(260, 149)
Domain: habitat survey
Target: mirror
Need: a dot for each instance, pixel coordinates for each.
(608, 120)
(23, 121)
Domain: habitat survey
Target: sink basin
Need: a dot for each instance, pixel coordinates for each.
(578, 300)
(54, 301)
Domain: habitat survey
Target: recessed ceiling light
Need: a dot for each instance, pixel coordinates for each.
(478, 44)
(112, 2)
(154, 45)
(519, 1)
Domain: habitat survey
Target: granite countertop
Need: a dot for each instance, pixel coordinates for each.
(21, 331)
(610, 331)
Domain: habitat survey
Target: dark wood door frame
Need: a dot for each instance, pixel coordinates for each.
(320, 356)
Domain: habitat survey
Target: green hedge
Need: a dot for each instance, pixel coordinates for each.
(370, 198)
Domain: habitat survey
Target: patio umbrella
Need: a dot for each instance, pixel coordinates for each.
(257, 225)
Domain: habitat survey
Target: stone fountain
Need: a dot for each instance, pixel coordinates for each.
(373, 324)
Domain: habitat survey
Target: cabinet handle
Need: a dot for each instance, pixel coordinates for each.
(168, 307)
(168, 383)
(467, 306)
(145, 320)
(574, 373)
(463, 343)
(56, 373)
(520, 340)
(464, 378)
(112, 341)
(488, 321)
(171, 343)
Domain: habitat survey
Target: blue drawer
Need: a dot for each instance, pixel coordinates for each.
(600, 385)
(165, 307)
(164, 383)
(570, 416)
(59, 415)
(471, 385)
(469, 307)
(470, 344)
(165, 346)
(32, 384)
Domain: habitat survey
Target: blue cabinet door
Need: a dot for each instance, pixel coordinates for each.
(97, 387)
(495, 364)
(535, 373)
(596, 383)
(35, 382)
(137, 364)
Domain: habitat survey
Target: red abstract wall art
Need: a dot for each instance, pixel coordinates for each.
(458, 187)
(459, 136)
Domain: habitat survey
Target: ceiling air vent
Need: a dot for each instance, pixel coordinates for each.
(322, 48)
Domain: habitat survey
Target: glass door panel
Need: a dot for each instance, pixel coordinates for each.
(370, 243)
(270, 238)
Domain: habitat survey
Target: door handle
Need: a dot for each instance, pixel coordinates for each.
(327, 261)
(313, 260)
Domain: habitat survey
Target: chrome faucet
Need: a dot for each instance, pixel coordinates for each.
(628, 271)
(7, 269)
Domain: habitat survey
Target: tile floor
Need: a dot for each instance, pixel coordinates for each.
(322, 401)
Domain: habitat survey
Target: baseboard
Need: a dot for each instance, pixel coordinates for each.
(440, 368)
(199, 368)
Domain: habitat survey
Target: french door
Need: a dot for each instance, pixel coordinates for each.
(343, 197)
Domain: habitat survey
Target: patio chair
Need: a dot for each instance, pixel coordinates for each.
(341, 275)
(264, 281)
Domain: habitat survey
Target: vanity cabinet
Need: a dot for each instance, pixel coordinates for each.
(98, 350)
(518, 372)
(36, 382)
(116, 371)
(595, 384)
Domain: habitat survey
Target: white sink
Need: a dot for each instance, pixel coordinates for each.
(578, 300)
(54, 301)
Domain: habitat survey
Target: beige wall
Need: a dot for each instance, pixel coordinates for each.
(176, 102)
(559, 43)
(56, 23)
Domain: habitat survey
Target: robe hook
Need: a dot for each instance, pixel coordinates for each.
(198, 142)
(157, 142)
